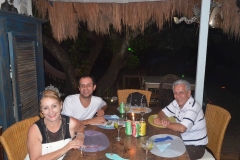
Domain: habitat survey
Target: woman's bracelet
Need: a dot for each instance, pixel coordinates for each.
(80, 134)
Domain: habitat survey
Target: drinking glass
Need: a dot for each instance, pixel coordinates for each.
(118, 124)
(147, 145)
(142, 110)
(126, 109)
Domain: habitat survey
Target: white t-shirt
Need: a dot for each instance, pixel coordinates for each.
(192, 117)
(73, 107)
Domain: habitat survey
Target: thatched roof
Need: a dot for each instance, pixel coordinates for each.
(65, 16)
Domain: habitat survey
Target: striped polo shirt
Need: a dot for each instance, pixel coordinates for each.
(192, 117)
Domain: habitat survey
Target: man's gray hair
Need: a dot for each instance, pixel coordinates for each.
(182, 81)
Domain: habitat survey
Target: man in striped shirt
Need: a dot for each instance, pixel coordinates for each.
(190, 120)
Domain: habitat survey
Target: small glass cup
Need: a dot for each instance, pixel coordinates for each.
(142, 110)
(147, 145)
(118, 124)
(127, 107)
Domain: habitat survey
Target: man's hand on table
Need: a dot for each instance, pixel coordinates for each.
(161, 122)
(97, 120)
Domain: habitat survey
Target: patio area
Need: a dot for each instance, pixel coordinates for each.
(215, 94)
(218, 96)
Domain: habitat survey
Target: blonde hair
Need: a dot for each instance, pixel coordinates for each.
(50, 94)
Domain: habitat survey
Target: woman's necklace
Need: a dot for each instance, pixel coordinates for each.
(47, 134)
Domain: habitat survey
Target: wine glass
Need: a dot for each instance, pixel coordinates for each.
(126, 109)
(147, 145)
(118, 124)
(142, 110)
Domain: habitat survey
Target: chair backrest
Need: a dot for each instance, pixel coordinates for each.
(165, 89)
(123, 94)
(14, 138)
(217, 120)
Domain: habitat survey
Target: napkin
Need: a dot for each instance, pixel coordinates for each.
(162, 147)
(162, 139)
(114, 156)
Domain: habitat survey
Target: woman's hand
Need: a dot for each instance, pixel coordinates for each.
(75, 144)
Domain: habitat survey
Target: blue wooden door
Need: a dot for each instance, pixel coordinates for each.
(22, 48)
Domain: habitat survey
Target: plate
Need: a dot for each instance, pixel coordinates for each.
(136, 109)
(105, 126)
(175, 149)
(150, 120)
(111, 117)
(95, 141)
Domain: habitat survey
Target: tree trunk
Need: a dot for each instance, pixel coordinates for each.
(94, 52)
(117, 63)
(62, 57)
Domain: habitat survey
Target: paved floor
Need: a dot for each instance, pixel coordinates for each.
(231, 102)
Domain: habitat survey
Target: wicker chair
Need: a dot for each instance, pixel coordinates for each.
(165, 89)
(14, 138)
(217, 120)
(123, 94)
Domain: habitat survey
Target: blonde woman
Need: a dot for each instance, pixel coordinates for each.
(52, 136)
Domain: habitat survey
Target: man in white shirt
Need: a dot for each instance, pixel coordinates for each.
(84, 106)
(190, 120)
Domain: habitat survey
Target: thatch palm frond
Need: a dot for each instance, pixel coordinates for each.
(65, 16)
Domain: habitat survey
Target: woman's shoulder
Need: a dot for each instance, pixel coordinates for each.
(33, 129)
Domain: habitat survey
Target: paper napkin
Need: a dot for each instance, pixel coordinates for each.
(162, 147)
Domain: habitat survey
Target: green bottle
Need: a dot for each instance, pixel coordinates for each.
(121, 108)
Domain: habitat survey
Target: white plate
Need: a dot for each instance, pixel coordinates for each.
(175, 149)
(136, 109)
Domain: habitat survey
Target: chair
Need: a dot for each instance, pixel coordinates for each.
(123, 94)
(14, 138)
(217, 120)
(165, 89)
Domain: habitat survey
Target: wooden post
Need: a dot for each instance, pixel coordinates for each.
(1, 148)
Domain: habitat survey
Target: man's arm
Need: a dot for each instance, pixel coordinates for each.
(101, 112)
(162, 119)
(100, 115)
(102, 109)
(95, 120)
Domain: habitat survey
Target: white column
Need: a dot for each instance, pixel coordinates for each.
(202, 50)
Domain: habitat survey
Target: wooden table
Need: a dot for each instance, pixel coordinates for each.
(128, 147)
(154, 82)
